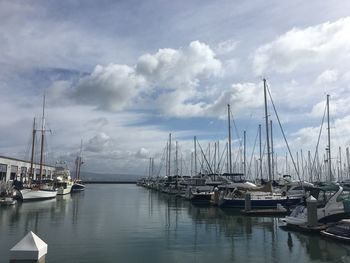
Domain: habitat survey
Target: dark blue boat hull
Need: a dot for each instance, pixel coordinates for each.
(260, 203)
(78, 187)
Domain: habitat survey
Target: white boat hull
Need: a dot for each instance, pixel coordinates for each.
(33, 194)
(64, 191)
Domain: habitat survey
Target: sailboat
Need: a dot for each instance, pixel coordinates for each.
(263, 197)
(39, 189)
(78, 183)
(333, 202)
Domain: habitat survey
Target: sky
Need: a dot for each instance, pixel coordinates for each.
(122, 75)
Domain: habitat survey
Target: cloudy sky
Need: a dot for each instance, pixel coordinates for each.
(121, 75)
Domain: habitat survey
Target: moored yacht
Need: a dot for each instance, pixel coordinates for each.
(333, 203)
(260, 198)
(36, 194)
(63, 181)
(39, 189)
(78, 184)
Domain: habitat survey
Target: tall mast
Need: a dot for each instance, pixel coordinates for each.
(195, 155)
(149, 167)
(191, 164)
(260, 157)
(166, 159)
(229, 138)
(218, 162)
(348, 161)
(31, 173)
(214, 158)
(152, 167)
(42, 139)
(77, 168)
(310, 167)
(340, 174)
(329, 143)
(227, 158)
(272, 154)
(169, 159)
(176, 159)
(267, 134)
(79, 160)
(244, 153)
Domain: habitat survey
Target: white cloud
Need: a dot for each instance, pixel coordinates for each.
(167, 80)
(243, 97)
(327, 43)
(226, 46)
(306, 138)
(109, 88)
(98, 143)
(338, 107)
(327, 76)
(179, 69)
(142, 153)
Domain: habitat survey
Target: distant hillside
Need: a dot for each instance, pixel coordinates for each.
(88, 176)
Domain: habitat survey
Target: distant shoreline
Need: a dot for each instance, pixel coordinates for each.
(109, 182)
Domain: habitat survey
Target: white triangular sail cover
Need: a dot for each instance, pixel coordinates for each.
(31, 247)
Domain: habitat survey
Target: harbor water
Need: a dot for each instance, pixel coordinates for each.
(126, 223)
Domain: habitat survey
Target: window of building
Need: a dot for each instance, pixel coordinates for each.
(14, 170)
(3, 171)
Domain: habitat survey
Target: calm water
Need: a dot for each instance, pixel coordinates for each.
(126, 223)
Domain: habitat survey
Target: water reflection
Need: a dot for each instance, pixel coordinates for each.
(131, 224)
(258, 239)
(321, 248)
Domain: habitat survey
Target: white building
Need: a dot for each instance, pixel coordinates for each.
(12, 168)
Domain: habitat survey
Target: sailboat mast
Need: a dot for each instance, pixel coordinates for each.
(169, 159)
(229, 138)
(195, 155)
(166, 158)
(272, 154)
(329, 143)
(267, 134)
(31, 173)
(77, 160)
(260, 155)
(176, 159)
(80, 158)
(244, 153)
(42, 139)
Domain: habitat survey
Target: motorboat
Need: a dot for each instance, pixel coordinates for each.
(63, 181)
(197, 191)
(333, 203)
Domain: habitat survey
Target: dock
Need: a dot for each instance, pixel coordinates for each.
(265, 212)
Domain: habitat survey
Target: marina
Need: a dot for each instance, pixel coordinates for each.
(160, 227)
(175, 131)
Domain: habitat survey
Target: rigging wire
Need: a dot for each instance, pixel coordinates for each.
(205, 158)
(251, 158)
(284, 136)
(318, 140)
